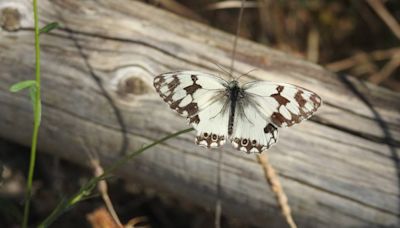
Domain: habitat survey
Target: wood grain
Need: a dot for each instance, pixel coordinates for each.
(340, 169)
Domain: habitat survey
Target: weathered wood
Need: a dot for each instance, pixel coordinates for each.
(340, 169)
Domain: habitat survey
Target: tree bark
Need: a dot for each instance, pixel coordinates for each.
(340, 169)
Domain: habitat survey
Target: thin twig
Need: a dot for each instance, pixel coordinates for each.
(180, 9)
(386, 71)
(103, 189)
(102, 184)
(390, 21)
(276, 187)
(230, 5)
(349, 62)
(218, 204)
(137, 220)
(313, 45)
(129, 156)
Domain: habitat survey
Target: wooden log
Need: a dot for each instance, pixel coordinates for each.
(340, 169)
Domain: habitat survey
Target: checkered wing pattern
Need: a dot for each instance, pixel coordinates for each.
(201, 99)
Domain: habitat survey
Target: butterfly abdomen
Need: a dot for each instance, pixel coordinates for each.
(234, 91)
(231, 118)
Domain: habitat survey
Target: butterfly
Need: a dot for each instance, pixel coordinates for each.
(248, 115)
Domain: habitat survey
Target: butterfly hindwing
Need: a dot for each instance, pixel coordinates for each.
(210, 140)
(253, 133)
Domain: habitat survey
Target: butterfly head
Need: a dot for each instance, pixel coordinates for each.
(233, 84)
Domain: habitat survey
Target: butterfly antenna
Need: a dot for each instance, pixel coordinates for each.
(246, 74)
(222, 69)
(236, 37)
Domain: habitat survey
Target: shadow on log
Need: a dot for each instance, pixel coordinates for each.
(340, 169)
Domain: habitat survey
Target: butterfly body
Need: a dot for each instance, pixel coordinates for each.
(235, 93)
(247, 115)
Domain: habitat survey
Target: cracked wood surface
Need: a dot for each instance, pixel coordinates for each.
(340, 169)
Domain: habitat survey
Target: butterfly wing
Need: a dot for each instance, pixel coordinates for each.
(201, 99)
(266, 106)
(252, 132)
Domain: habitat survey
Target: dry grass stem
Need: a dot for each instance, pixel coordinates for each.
(180, 9)
(386, 71)
(218, 212)
(313, 45)
(276, 187)
(362, 57)
(103, 189)
(390, 21)
(230, 5)
(102, 185)
(136, 221)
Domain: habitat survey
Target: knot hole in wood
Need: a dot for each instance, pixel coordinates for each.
(132, 85)
(10, 19)
(131, 82)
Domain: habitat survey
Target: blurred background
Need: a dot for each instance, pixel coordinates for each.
(360, 38)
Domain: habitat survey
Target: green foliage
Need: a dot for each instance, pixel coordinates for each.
(49, 27)
(32, 86)
(22, 85)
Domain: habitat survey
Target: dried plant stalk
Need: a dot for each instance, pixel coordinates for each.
(102, 184)
(103, 189)
(276, 187)
(380, 9)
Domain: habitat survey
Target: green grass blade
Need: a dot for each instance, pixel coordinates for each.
(91, 184)
(23, 85)
(49, 27)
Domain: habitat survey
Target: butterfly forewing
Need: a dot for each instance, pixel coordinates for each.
(264, 106)
(201, 99)
(283, 104)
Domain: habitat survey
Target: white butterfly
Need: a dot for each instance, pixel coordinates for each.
(247, 115)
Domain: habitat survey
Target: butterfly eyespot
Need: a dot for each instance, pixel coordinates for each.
(214, 137)
(245, 142)
(205, 134)
(254, 142)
